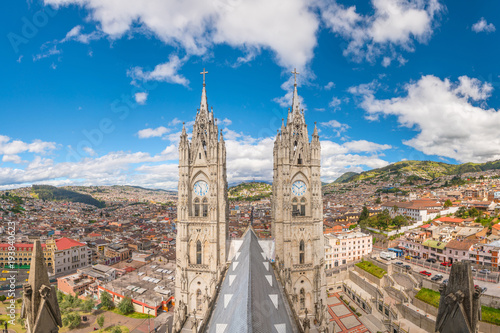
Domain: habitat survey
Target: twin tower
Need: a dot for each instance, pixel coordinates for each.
(203, 217)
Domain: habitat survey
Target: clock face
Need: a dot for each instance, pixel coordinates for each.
(299, 188)
(200, 188)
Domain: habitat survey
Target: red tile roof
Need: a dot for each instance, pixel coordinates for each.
(449, 220)
(425, 226)
(67, 243)
(19, 245)
(496, 226)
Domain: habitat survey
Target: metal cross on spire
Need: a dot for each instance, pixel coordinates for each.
(203, 73)
(295, 75)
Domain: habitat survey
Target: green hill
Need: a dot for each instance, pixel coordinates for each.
(345, 177)
(252, 191)
(418, 170)
(52, 193)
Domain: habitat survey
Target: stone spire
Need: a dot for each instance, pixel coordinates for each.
(295, 98)
(204, 104)
(460, 302)
(40, 307)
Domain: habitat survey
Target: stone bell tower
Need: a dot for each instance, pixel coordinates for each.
(202, 215)
(297, 213)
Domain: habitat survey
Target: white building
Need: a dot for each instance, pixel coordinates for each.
(344, 247)
(69, 255)
(418, 210)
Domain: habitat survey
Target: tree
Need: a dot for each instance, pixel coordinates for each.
(116, 329)
(473, 212)
(2, 298)
(60, 297)
(88, 305)
(106, 300)
(448, 203)
(364, 214)
(461, 211)
(399, 221)
(126, 306)
(378, 201)
(72, 320)
(100, 321)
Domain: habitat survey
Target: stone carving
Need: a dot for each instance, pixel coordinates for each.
(40, 307)
(459, 306)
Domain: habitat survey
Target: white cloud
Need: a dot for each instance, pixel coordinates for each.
(337, 159)
(482, 25)
(451, 118)
(76, 34)
(329, 85)
(335, 103)
(394, 23)
(141, 97)
(196, 25)
(167, 72)
(9, 147)
(12, 158)
(225, 122)
(152, 132)
(89, 151)
(337, 127)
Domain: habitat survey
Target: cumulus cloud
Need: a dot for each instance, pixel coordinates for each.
(196, 25)
(76, 34)
(335, 103)
(141, 97)
(394, 24)
(167, 72)
(452, 118)
(14, 147)
(337, 127)
(482, 25)
(329, 85)
(12, 158)
(152, 132)
(353, 156)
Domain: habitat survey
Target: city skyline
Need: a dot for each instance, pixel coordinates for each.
(102, 92)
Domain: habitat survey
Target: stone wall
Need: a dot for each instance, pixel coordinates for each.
(425, 307)
(488, 328)
(417, 318)
(364, 284)
(368, 276)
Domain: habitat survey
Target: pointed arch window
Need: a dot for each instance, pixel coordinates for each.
(198, 253)
(302, 207)
(199, 300)
(302, 299)
(302, 252)
(197, 207)
(299, 161)
(205, 207)
(295, 209)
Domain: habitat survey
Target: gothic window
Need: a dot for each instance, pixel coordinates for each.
(198, 252)
(199, 156)
(294, 145)
(196, 207)
(303, 207)
(294, 207)
(199, 300)
(302, 252)
(300, 160)
(205, 207)
(302, 299)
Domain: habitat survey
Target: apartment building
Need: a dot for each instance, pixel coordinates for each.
(69, 255)
(342, 248)
(74, 284)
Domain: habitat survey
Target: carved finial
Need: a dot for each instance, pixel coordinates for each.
(203, 73)
(295, 73)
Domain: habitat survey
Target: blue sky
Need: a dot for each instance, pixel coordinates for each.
(94, 92)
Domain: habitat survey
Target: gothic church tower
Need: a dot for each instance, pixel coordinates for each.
(297, 212)
(202, 215)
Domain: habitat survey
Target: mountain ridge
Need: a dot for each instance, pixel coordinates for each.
(418, 170)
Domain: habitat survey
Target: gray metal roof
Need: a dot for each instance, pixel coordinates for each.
(250, 298)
